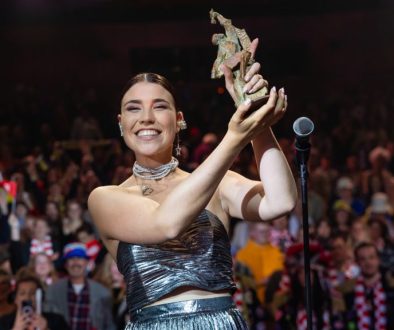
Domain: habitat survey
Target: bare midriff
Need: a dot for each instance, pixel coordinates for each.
(189, 293)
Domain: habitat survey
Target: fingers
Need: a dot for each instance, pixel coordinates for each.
(253, 70)
(228, 75)
(228, 79)
(255, 84)
(281, 103)
(242, 110)
(253, 46)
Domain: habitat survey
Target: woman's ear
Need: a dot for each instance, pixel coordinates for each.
(180, 121)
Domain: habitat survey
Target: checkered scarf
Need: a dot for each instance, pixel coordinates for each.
(45, 246)
(78, 308)
(376, 305)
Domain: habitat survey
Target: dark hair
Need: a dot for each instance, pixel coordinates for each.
(85, 228)
(27, 276)
(383, 228)
(153, 78)
(363, 245)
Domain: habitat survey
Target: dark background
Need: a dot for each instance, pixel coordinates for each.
(316, 49)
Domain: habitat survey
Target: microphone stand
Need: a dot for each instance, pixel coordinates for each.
(302, 154)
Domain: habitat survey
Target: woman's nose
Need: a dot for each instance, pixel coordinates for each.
(147, 116)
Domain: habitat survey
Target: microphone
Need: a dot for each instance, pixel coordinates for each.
(303, 127)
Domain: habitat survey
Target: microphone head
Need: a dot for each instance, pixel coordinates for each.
(303, 127)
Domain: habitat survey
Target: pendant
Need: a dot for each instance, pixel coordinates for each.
(146, 189)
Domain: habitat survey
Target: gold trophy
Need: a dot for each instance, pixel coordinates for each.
(233, 51)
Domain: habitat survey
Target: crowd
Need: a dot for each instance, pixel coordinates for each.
(49, 245)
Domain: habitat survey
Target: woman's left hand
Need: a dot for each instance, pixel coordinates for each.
(253, 80)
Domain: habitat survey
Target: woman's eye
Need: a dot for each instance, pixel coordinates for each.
(133, 109)
(161, 106)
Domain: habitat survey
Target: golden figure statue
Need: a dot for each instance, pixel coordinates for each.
(234, 52)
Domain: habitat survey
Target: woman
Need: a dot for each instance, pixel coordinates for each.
(166, 228)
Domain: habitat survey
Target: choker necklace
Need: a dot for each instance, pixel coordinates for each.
(147, 173)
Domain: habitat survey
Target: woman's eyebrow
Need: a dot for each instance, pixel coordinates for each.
(140, 102)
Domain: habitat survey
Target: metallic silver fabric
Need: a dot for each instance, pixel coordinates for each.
(199, 257)
(200, 314)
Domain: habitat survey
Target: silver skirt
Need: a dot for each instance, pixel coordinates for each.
(200, 314)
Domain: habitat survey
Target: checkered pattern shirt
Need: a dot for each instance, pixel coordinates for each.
(78, 308)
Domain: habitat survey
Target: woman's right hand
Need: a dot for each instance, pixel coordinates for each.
(245, 126)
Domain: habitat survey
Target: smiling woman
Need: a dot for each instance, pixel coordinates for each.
(168, 229)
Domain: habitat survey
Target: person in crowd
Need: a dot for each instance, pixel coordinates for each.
(84, 303)
(107, 274)
(29, 312)
(380, 236)
(345, 192)
(369, 298)
(280, 236)
(167, 228)
(6, 307)
(72, 220)
(343, 266)
(342, 216)
(323, 233)
(260, 256)
(43, 267)
(53, 216)
(358, 233)
(287, 305)
(378, 178)
(86, 235)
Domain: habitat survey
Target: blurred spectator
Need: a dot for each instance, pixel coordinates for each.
(107, 274)
(84, 303)
(41, 241)
(358, 233)
(378, 178)
(32, 318)
(260, 256)
(323, 233)
(72, 220)
(342, 216)
(280, 236)
(323, 178)
(288, 302)
(204, 149)
(344, 190)
(43, 267)
(85, 126)
(369, 299)
(6, 306)
(240, 236)
(380, 236)
(343, 266)
(86, 235)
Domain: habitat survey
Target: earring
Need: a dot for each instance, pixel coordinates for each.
(182, 124)
(121, 129)
(178, 147)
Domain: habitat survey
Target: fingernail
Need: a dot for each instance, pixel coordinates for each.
(247, 101)
(282, 90)
(245, 89)
(285, 97)
(273, 89)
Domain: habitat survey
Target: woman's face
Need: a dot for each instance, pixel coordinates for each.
(42, 265)
(148, 118)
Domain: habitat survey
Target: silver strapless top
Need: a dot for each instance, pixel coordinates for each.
(199, 257)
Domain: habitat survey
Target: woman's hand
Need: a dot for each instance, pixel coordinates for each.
(253, 80)
(248, 125)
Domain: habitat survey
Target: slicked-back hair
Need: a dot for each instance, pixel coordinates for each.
(153, 78)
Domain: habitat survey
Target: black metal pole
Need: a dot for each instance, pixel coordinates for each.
(305, 226)
(303, 127)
